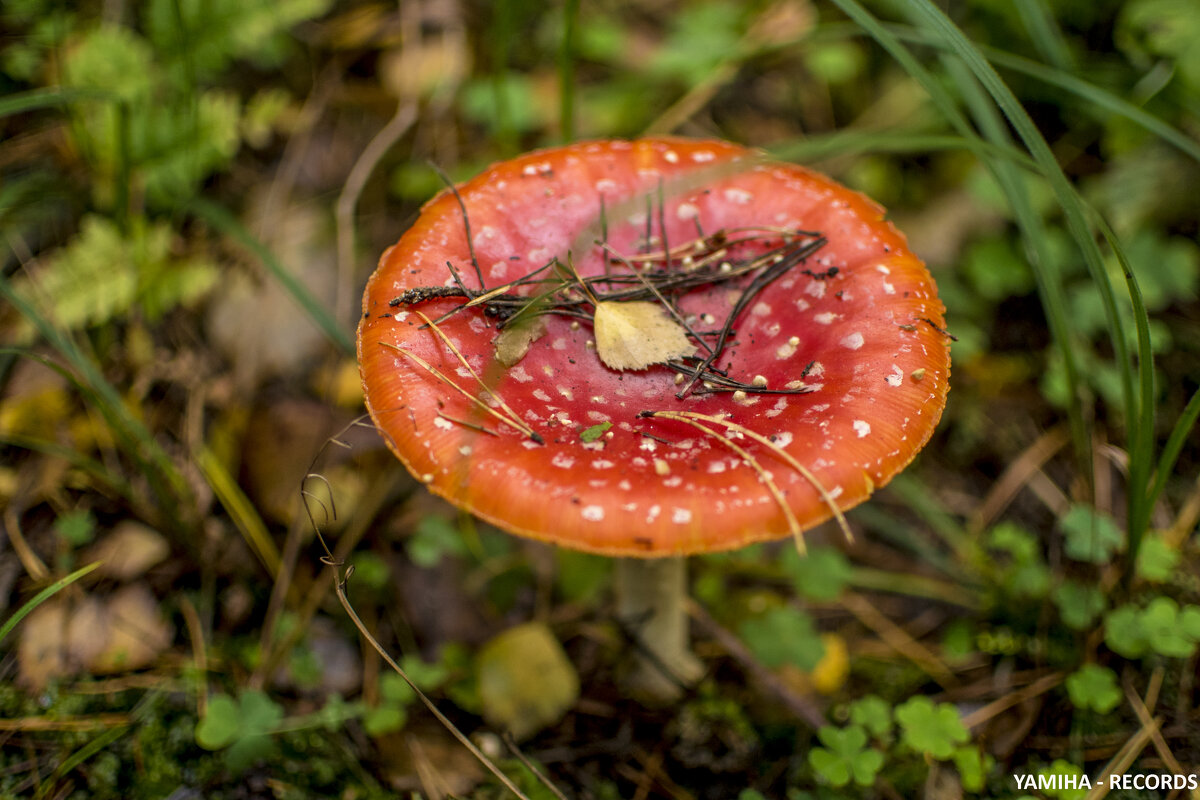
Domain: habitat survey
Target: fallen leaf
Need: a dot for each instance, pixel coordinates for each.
(513, 342)
(637, 334)
(137, 633)
(525, 680)
(129, 550)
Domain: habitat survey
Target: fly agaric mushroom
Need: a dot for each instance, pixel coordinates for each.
(650, 349)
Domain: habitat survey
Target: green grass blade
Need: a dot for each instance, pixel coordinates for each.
(1069, 202)
(1095, 98)
(851, 142)
(168, 485)
(1044, 33)
(1172, 449)
(227, 224)
(52, 97)
(1048, 283)
(43, 596)
(566, 72)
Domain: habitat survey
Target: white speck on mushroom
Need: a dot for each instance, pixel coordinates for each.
(601, 463)
(559, 344)
(564, 418)
(687, 211)
(816, 370)
(598, 416)
(519, 374)
(465, 450)
(427, 477)
(738, 196)
(888, 288)
(597, 483)
(652, 513)
(649, 445)
(661, 467)
(852, 342)
(592, 513)
(443, 423)
(400, 316)
(529, 444)
(759, 381)
(673, 481)
(541, 395)
(462, 372)
(671, 157)
(565, 392)
(549, 370)
(625, 486)
(606, 185)
(681, 516)
(760, 309)
(918, 375)
(787, 349)
(782, 439)
(802, 304)
(743, 399)
(862, 427)
(815, 289)
(562, 460)
(716, 467)
(897, 376)
(778, 408)
(836, 492)
(825, 318)
(703, 156)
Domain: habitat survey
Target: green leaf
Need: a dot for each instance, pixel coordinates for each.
(426, 675)
(1123, 632)
(595, 432)
(395, 690)
(1166, 630)
(845, 756)
(434, 538)
(77, 527)
(384, 719)
(784, 635)
(926, 728)
(1094, 687)
(1079, 605)
(1091, 536)
(874, 714)
(820, 575)
(1156, 559)
(258, 712)
(972, 767)
(221, 723)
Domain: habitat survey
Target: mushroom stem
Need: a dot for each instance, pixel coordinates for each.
(651, 596)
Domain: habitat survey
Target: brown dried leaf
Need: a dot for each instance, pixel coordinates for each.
(637, 334)
(513, 342)
(130, 550)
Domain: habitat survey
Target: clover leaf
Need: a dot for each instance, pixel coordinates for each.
(1094, 687)
(845, 756)
(931, 729)
(1091, 536)
(1079, 605)
(784, 635)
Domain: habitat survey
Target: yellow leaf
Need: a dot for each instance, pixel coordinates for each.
(638, 334)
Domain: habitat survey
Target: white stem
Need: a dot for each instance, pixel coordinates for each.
(652, 605)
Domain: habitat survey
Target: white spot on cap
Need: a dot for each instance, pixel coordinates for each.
(738, 196)
(703, 156)
(681, 516)
(783, 439)
(862, 427)
(852, 342)
(687, 211)
(760, 309)
(787, 349)
(815, 289)
(601, 463)
(592, 513)
(897, 376)
(652, 513)
(661, 467)
(541, 395)
(825, 318)
(442, 423)
(519, 374)
(671, 157)
(716, 467)
(562, 460)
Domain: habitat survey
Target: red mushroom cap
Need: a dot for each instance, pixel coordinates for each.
(857, 326)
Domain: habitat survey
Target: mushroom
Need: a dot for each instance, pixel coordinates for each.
(813, 367)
